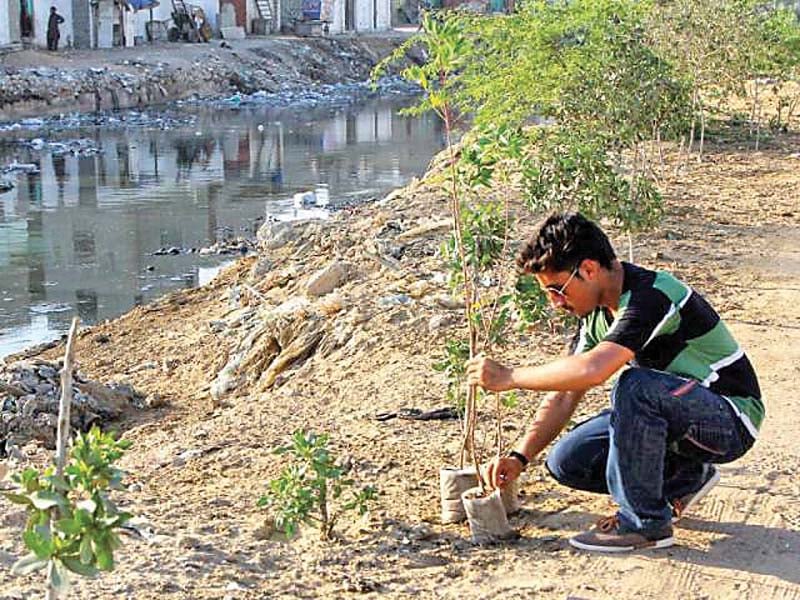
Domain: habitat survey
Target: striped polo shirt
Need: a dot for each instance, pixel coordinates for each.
(670, 327)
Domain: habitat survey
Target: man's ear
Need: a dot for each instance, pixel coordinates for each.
(589, 269)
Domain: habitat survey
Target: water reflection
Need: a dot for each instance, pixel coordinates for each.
(77, 237)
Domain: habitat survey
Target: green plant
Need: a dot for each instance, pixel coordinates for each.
(307, 488)
(530, 302)
(71, 519)
(456, 353)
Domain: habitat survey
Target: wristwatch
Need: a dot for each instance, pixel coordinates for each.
(520, 457)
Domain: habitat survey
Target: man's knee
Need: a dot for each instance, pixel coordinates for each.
(635, 387)
(578, 466)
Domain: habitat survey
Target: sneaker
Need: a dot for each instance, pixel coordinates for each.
(681, 505)
(607, 536)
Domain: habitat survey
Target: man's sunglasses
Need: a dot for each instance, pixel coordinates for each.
(561, 291)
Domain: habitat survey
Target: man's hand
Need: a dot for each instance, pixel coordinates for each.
(488, 374)
(502, 471)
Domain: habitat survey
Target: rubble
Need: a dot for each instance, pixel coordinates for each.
(276, 72)
(29, 399)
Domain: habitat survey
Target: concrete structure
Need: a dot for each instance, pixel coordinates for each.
(9, 22)
(342, 15)
(37, 13)
(41, 13)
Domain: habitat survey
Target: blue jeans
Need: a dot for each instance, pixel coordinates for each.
(652, 447)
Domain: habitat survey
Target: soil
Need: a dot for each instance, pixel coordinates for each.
(198, 466)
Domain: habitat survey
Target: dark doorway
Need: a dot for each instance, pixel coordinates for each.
(26, 18)
(349, 15)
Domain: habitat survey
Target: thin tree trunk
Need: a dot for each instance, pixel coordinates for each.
(702, 128)
(62, 440)
(680, 156)
(660, 151)
(758, 120)
(755, 104)
(694, 123)
(52, 592)
(630, 247)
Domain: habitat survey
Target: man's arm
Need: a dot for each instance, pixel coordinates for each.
(577, 372)
(550, 419)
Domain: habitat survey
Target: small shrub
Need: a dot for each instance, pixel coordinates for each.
(310, 489)
(71, 519)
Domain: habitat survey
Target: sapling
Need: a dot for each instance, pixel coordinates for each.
(310, 488)
(71, 518)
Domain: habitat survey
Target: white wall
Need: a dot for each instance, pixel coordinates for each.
(5, 24)
(363, 15)
(384, 14)
(337, 16)
(368, 20)
(41, 13)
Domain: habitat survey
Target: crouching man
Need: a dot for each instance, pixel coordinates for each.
(688, 398)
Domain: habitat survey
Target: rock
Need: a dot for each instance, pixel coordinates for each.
(426, 230)
(328, 279)
(170, 364)
(187, 542)
(150, 364)
(395, 300)
(274, 235)
(450, 303)
(261, 267)
(419, 288)
(438, 322)
(155, 401)
(420, 532)
(398, 317)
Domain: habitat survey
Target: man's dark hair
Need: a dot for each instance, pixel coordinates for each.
(565, 240)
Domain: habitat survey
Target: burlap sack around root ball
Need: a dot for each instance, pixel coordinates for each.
(452, 484)
(487, 519)
(511, 499)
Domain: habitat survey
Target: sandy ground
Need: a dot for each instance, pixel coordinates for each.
(731, 231)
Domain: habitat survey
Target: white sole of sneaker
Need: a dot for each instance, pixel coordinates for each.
(665, 543)
(699, 495)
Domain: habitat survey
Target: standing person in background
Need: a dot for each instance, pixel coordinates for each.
(53, 34)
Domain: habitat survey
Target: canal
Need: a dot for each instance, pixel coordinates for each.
(92, 211)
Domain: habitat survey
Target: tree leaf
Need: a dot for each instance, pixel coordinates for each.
(88, 505)
(86, 552)
(59, 578)
(68, 526)
(44, 499)
(28, 564)
(18, 498)
(76, 566)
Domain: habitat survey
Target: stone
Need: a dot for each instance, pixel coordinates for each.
(395, 300)
(261, 267)
(419, 288)
(421, 531)
(232, 33)
(438, 322)
(449, 302)
(155, 401)
(328, 279)
(274, 235)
